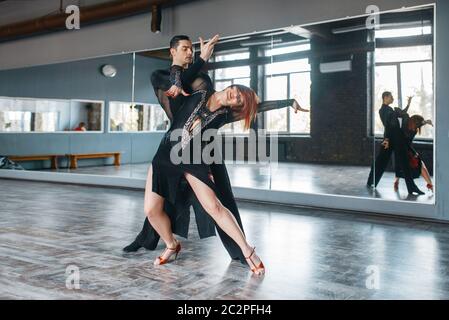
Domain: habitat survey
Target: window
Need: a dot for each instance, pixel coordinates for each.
(126, 117)
(282, 80)
(15, 121)
(228, 76)
(49, 115)
(403, 32)
(31, 115)
(405, 71)
(288, 80)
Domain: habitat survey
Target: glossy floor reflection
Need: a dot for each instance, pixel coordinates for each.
(309, 254)
(293, 177)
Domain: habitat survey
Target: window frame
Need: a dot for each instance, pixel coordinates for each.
(157, 105)
(231, 133)
(397, 65)
(289, 110)
(262, 87)
(102, 102)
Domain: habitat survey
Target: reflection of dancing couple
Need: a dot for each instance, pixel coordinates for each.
(193, 106)
(398, 139)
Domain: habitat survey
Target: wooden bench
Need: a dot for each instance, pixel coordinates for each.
(73, 158)
(52, 157)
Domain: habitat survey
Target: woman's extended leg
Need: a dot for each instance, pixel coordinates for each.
(158, 218)
(396, 184)
(425, 173)
(224, 219)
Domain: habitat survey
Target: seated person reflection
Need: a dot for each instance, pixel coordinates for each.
(81, 127)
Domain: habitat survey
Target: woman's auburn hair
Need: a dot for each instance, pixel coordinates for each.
(248, 110)
(419, 121)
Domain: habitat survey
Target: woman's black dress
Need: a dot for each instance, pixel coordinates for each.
(414, 159)
(168, 178)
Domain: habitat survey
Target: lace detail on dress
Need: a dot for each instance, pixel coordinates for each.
(202, 113)
(175, 76)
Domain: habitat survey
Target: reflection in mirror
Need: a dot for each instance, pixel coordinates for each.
(404, 77)
(288, 79)
(275, 64)
(142, 117)
(86, 116)
(137, 117)
(52, 117)
(336, 69)
(45, 115)
(33, 115)
(224, 77)
(110, 79)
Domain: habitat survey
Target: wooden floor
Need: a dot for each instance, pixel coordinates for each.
(309, 254)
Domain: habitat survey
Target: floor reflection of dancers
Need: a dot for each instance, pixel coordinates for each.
(210, 183)
(412, 126)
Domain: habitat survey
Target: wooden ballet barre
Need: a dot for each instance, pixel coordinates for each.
(73, 157)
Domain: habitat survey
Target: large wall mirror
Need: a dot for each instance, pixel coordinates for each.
(403, 64)
(100, 116)
(50, 115)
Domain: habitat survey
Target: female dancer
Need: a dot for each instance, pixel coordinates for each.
(411, 126)
(204, 109)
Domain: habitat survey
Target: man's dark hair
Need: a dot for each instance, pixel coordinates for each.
(386, 94)
(175, 40)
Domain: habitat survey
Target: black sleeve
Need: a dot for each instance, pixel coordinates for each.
(391, 122)
(175, 76)
(192, 72)
(405, 120)
(382, 118)
(160, 80)
(385, 115)
(262, 107)
(183, 78)
(401, 113)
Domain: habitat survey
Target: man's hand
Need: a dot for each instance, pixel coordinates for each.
(174, 91)
(409, 100)
(208, 48)
(386, 143)
(297, 107)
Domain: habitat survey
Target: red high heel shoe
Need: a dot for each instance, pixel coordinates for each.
(430, 187)
(396, 186)
(176, 251)
(253, 266)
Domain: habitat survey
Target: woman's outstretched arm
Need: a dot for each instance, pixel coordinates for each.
(270, 105)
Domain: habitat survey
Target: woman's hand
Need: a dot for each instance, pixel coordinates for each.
(174, 91)
(297, 107)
